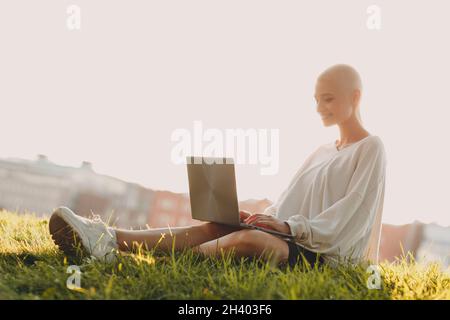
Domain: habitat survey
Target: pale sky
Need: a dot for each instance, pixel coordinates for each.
(113, 92)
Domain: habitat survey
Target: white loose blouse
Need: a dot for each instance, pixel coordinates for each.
(334, 203)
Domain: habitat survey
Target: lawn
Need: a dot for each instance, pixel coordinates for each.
(32, 267)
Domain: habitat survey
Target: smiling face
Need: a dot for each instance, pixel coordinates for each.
(333, 105)
(337, 94)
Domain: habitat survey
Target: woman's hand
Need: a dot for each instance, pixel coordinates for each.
(243, 214)
(269, 222)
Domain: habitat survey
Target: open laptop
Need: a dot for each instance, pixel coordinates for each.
(212, 191)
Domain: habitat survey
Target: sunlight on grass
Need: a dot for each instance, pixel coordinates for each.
(31, 267)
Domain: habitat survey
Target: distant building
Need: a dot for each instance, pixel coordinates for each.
(34, 186)
(435, 244)
(170, 209)
(40, 186)
(399, 240)
(425, 242)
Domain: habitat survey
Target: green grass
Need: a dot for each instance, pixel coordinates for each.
(31, 267)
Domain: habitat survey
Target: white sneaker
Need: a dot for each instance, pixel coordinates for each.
(68, 230)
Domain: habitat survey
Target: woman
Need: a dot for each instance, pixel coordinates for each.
(332, 206)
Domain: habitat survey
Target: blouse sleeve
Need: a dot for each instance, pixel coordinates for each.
(338, 227)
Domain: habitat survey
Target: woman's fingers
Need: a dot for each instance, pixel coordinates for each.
(258, 219)
(262, 220)
(244, 215)
(253, 217)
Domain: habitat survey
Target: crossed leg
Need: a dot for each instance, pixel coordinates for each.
(165, 238)
(248, 243)
(208, 239)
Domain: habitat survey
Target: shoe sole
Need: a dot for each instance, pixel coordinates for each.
(65, 237)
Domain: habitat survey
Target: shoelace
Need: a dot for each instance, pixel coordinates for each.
(96, 218)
